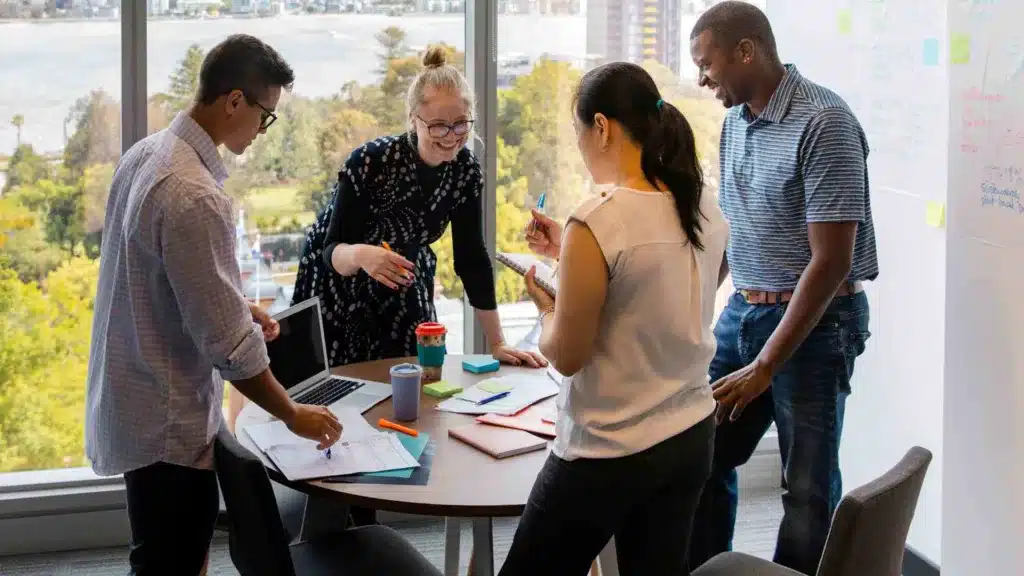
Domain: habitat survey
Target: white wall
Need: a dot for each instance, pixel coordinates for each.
(872, 54)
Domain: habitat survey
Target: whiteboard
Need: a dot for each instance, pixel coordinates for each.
(986, 177)
(884, 59)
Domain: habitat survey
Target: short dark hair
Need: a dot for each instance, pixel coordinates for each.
(732, 21)
(242, 62)
(626, 93)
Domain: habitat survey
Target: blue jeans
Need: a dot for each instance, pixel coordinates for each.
(806, 401)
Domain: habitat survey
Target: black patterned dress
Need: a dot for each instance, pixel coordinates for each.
(385, 193)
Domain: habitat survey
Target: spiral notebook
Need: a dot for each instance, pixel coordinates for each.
(522, 263)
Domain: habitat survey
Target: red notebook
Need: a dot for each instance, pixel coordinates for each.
(530, 420)
(498, 441)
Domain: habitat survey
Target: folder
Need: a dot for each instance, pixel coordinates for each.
(498, 441)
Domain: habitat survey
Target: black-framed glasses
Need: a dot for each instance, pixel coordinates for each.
(440, 129)
(266, 117)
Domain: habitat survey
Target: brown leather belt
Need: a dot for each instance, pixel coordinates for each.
(762, 297)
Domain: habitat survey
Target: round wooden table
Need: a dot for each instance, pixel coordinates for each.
(464, 482)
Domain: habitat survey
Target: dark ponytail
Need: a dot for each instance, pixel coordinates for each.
(626, 93)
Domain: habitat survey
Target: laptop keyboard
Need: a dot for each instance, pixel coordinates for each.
(329, 392)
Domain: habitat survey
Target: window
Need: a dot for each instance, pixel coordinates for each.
(59, 139)
(352, 71)
(537, 144)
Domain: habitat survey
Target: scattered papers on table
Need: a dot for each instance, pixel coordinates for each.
(522, 391)
(362, 448)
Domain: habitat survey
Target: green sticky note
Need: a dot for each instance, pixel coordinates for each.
(935, 214)
(441, 389)
(960, 48)
(494, 386)
(845, 22)
(415, 445)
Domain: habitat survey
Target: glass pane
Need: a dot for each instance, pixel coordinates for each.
(352, 72)
(60, 137)
(543, 52)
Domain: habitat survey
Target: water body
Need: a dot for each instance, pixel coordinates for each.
(46, 66)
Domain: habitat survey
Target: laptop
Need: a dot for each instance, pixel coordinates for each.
(298, 359)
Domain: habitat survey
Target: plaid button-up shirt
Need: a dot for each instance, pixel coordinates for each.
(169, 310)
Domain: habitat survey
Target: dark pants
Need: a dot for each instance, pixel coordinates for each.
(806, 401)
(172, 510)
(646, 500)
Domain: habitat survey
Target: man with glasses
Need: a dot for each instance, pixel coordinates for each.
(170, 314)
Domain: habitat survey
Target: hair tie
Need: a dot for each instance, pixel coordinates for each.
(659, 104)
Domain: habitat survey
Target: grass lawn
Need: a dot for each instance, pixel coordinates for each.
(277, 201)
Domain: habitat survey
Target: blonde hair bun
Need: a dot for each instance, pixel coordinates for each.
(435, 57)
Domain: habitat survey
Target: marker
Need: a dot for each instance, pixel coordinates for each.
(490, 399)
(388, 248)
(397, 427)
(327, 453)
(540, 208)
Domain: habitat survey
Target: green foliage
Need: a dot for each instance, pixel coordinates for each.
(97, 136)
(183, 83)
(25, 166)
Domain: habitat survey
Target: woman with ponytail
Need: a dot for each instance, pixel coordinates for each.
(637, 277)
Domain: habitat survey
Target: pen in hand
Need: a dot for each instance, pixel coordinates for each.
(387, 247)
(540, 208)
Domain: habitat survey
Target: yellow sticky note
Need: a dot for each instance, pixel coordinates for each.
(845, 22)
(494, 386)
(959, 48)
(935, 214)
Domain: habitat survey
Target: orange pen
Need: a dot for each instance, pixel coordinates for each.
(388, 248)
(397, 427)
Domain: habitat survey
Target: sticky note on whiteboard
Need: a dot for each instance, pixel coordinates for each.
(935, 214)
(959, 48)
(844, 22)
(930, 52)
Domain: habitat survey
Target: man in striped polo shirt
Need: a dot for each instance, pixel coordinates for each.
(794, 188)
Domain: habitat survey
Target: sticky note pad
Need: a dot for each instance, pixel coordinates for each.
(930, 52)
(441, 389)
(494, 386)
(960, 48)
(935, 214)
(845, 22)
(480, 364)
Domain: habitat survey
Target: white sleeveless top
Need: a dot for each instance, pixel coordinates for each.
(648, 378)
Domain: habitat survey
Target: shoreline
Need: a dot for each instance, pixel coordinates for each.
(289, 15)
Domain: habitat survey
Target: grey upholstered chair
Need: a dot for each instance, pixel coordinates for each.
(868, 534)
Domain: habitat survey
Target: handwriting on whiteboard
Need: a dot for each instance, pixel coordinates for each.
(1001, 198)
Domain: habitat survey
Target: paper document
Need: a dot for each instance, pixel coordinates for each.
(524, 391)
(362, 448)
(369, 454)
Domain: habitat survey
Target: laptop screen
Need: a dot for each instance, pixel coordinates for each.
(298, 353)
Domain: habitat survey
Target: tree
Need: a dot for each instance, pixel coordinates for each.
(23, 246)
(184, 82)
(60, 208)
(392, 41)
(25, 167)
(18, 121)
(97, 136)
(41, 412)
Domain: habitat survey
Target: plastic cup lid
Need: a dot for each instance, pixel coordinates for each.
(431, 329)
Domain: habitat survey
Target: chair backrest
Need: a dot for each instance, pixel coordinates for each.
(869, 529)
(256, 537)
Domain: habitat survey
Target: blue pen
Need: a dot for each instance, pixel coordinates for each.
(497, 396)
(540, 208)
(327, 453)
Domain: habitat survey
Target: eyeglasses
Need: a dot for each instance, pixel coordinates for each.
(267, 117)
(440, 129)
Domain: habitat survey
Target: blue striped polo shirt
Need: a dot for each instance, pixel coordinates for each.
(803, 160)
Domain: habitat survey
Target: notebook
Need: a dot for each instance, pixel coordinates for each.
(498, 441)
(522, 263)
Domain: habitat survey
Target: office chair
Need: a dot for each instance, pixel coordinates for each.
(258, 541)
(868, 534)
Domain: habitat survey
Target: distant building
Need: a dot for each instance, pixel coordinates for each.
(636, 30)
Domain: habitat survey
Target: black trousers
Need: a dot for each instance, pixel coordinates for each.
(646, 500)
(172, 510)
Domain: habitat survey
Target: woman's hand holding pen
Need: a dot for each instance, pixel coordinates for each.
(544, 235)
(387, 267)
